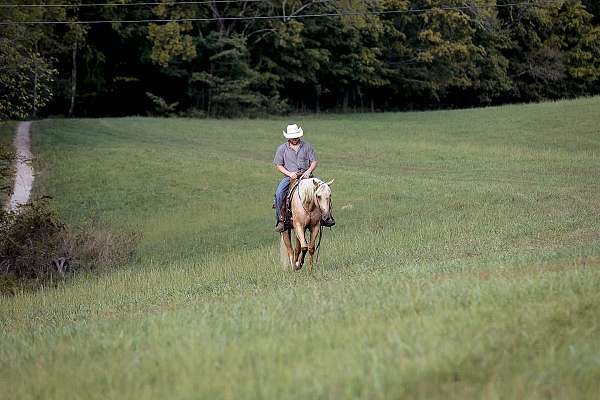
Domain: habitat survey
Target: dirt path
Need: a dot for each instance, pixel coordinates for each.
(24, 177)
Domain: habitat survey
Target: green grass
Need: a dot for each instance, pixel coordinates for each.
(465, 262)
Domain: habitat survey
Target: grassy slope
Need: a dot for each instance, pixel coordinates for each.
(465, 263)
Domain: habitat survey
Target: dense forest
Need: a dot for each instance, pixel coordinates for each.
(256, 57)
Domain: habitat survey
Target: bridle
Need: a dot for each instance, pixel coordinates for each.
(318, 205)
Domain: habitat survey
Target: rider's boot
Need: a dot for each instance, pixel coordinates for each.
(280, 227)
(328, 222)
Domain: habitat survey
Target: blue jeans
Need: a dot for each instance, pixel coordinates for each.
(280, 194)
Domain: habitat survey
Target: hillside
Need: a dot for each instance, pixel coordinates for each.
(465, 262)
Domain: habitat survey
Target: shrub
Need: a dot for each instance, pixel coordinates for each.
(161, 107)
(37, 249)
(7, 157)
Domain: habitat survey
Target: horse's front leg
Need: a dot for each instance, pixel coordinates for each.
(297, 251)
(287, 240)
(314, 232)
(302, 247)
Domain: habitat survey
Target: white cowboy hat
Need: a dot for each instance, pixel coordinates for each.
(293, 131)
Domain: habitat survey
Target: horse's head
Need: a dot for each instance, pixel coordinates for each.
(323, 199)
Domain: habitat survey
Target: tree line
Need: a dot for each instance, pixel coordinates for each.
(235, 58)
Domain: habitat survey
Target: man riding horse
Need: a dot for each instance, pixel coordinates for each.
(296, 159)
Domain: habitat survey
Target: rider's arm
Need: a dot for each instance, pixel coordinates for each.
(310, 169)
(284, 171)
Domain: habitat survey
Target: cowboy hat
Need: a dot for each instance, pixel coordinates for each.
(293, 131)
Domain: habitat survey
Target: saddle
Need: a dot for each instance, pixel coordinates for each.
(287, 205)
(286, 210)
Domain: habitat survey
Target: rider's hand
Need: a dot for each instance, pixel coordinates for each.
(305, 175)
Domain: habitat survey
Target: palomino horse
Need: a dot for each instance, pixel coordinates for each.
(311, 203)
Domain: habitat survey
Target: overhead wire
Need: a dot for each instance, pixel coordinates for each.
(172, 3)
(282, 17)
(166, 3)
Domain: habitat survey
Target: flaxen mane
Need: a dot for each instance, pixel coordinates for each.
(307, 191)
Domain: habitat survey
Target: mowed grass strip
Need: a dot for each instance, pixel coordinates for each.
(464, 263)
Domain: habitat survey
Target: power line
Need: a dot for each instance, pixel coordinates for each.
(170, 3)
(283, 17)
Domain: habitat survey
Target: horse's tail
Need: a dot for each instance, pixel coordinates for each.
(283, 254)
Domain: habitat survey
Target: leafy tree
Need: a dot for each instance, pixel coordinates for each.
(424, 53)
(296, 60)
(356, 68)
(554, 49)
(26, 70)
(488, 71)
(25, 82)
(593, 7)
(581, 43)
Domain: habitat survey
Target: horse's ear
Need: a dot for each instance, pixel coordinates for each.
(330, 182)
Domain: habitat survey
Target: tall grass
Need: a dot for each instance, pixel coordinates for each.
(464, 262)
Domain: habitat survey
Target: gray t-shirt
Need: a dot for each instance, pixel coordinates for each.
(295, 161)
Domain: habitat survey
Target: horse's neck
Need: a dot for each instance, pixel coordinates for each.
(308, 205)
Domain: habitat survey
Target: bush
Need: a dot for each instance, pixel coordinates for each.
(7, 157)
(37, 249)
(161, 107)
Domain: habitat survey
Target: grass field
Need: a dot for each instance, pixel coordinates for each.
(465, 262)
